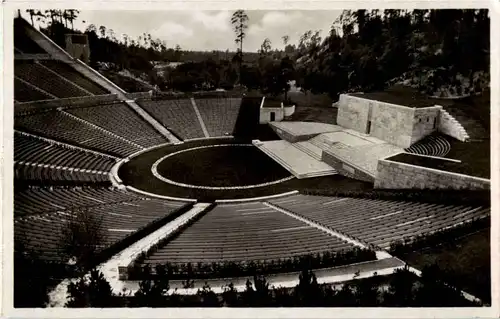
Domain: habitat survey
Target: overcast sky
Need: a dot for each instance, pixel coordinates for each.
(210, 30)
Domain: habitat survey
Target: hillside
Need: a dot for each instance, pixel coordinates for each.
(442, 53)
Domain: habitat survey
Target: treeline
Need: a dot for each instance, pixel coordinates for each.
(401, 289)
(440, 52)
(429, 49)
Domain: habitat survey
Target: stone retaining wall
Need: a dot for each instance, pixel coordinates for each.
(399, 125)
(394, 175)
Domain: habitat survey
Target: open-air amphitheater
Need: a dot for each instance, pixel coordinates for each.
(154, 169)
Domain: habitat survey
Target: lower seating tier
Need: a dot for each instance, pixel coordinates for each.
(379, 222)
(245, 232)
(37, 200)
(44, 233)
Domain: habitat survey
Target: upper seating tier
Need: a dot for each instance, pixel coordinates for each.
(60, 126)
(121, 120)
(177, 116)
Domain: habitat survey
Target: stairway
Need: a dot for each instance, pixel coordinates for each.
(473, 129)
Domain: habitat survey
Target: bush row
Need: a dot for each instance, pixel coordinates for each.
(228, 269)
(400, 289)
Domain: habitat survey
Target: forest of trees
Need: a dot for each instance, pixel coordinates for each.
(440, 52)
(367, 49)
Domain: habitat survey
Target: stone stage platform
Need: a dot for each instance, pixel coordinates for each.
(297, 162)
(309, 149)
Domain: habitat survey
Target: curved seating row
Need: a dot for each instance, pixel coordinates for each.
(176, 115)
(36, 200)
(24, 93)
(379, 222)
(22, 41)
(33, 150)
(245, 232)
(59, 126)
(42, 78)
(219, 114)
(74, 76)
(433, 145)
(44, 232)
(49, 173)
(121, 120)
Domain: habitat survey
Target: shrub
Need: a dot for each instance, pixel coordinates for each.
(228, 269)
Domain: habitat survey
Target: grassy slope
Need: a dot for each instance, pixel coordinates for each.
(476, 155)
(313, 108)
(468, 258)
(469, 166)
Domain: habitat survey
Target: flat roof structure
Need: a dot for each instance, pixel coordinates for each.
(305, 128)
(399, 95)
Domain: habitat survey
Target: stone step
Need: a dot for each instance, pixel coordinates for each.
(472, 128)
(308, 148)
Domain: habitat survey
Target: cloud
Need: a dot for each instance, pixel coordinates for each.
(172, 31)
(210, 29)
(274, 19)
(216, 22)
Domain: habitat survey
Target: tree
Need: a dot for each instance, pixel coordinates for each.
(400, 292)
(32, 275)
(208, 297)
(152, 293)
(239, 21)
(308, 293)
(344, 297)
(82, 237)
(285, 39)
(93, 291)
(32, 14)
(366, 292)
(287, 73)
(102, 30)
(265, 47)
(434, 292)
(72, 14)
(230, 296)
